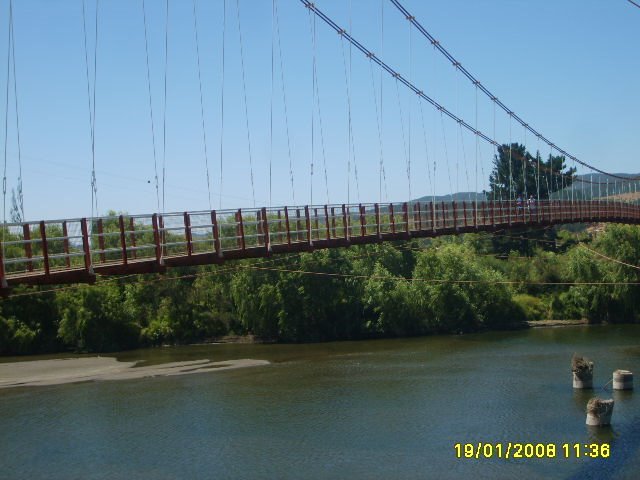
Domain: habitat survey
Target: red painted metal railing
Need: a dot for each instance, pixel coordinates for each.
(75, 250)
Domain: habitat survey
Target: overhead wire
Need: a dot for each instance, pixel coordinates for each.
(164, 112)
(153, 130)
(20, 197)
(353, 146)
(246, 108)
(378, 124)
(315, 95)
(350, 145)
(91, 102)
(610, 259)
(6, 123)
(204, 130)
(273, 15)
(312, 27)
(284, 101)
(222, 57)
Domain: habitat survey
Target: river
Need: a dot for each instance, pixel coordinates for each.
(383, 409)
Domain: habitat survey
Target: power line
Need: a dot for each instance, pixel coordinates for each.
(634, 3)
(614, 260)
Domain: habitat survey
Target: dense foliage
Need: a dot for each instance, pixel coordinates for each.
(449, 284)
(517, 172)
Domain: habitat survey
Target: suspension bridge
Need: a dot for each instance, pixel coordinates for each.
(75, 250)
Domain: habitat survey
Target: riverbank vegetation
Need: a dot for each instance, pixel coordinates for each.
(448, 284)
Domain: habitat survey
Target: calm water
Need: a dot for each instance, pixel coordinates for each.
(359, 410)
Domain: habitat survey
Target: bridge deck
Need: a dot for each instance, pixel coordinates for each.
(76, 250)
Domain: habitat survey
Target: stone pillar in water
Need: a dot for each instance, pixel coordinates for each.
(599, 412)
(622, 380)
(582, 370)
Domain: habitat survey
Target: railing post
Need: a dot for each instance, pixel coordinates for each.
(433, 216)
(3, 278)
(363, 222)
(123, 240)
(45, 247)
(187, 232)
(308, 225)
(279, 222)
(162, 238)
(326, 222)
(492, 212)
(474, 206)
(333, 222)
(243, 244)
(316, 226)
(101, 241)
(65, 244)
(286, 224)
(455, 214)
(345, 223)
(376, 208)
(259, 230)
(486, 208)
(405, 214)
(419, 216)
(464, 212)
(444, 216)
(298, 225)
(265, 231)
(156, 238)
(85, 246)
(132, 237)
(392, 218)
(28, 250)
(216, 233)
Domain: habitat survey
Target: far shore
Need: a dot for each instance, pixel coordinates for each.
(556, 323)
(72, 370)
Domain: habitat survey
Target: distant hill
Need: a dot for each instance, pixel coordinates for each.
(582, 190)
(610, 189)
(458, 197)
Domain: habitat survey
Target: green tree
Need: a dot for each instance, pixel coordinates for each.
(94, 319)
(515, 171)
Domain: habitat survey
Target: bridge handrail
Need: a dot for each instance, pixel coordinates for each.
(114, 241)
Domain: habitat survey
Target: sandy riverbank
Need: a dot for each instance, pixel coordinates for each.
(70, 370)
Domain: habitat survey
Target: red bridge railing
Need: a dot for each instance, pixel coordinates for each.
(75, 250)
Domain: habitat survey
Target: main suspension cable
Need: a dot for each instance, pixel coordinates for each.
(476, 82)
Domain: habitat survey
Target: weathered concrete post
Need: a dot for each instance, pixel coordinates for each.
(622, 380)
(599, 412)
(582, 370)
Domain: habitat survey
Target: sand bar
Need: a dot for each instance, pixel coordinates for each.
(70, 370)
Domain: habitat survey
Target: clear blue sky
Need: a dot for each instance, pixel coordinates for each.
(570, 68)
